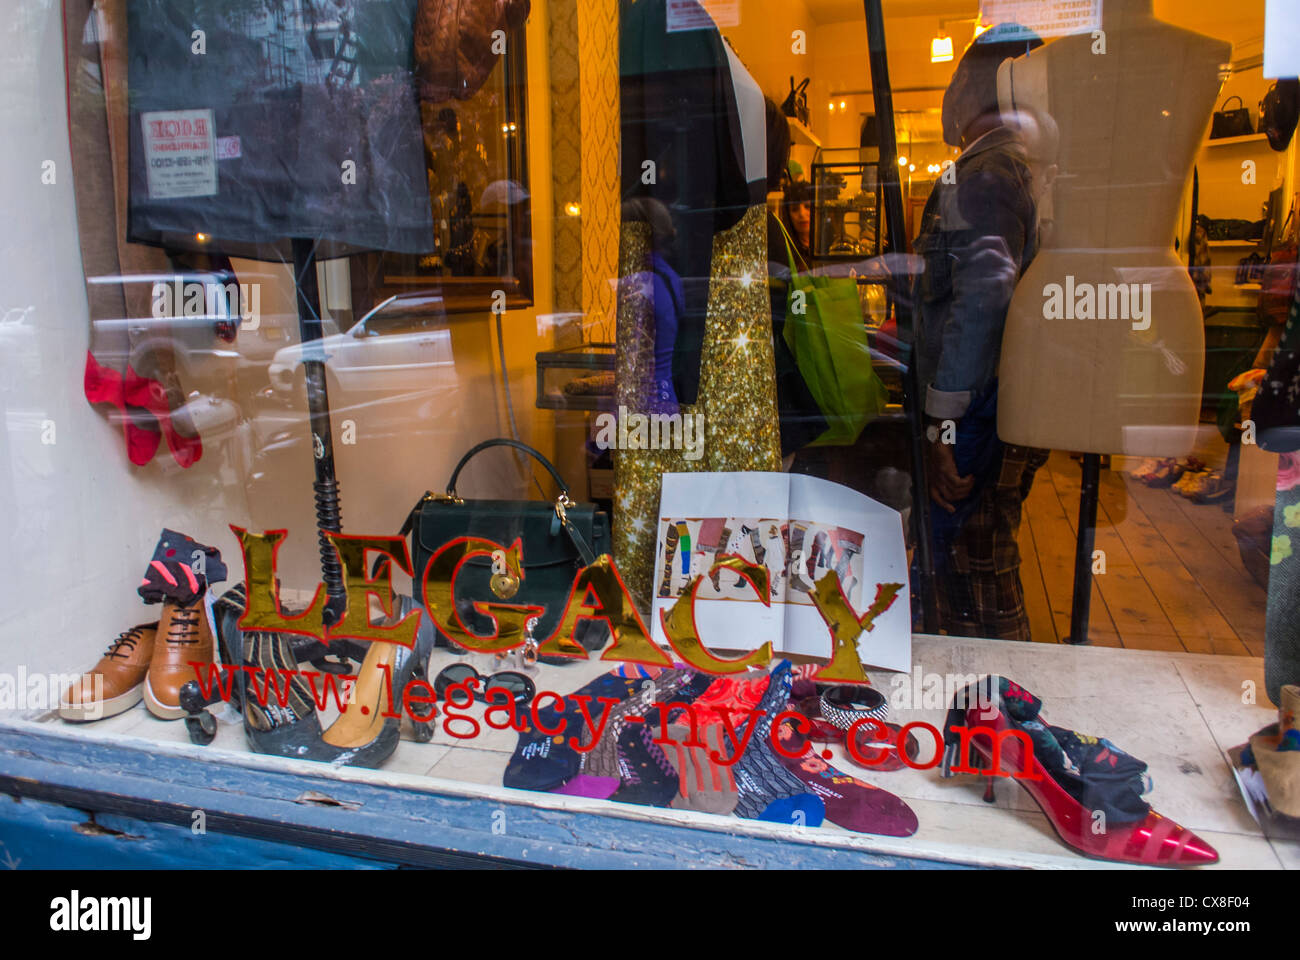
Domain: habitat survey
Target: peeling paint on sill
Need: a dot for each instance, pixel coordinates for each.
(92, 829)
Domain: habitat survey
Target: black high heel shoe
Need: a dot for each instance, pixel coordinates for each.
(367, 731)
(281, 730)
(275, 700)
(278, 702)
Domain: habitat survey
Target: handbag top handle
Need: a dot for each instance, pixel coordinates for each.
(789, 249)
(1229, 100)
(501, 442)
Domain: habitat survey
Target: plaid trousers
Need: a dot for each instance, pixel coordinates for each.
(979, 589)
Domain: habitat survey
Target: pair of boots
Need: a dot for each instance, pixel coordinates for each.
(150, 662)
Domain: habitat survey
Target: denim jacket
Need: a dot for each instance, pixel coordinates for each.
(962, 297)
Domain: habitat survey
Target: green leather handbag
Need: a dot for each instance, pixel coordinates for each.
(558, 539)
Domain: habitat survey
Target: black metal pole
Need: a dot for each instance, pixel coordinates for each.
(896, 225)
(1081, 606)
(328, 514)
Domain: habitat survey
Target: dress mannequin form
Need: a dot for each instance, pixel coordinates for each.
(1130, 120)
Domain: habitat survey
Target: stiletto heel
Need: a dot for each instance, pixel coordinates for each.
(1000, 721)
(367, 732)
(422, 730)
(279, 703)
(281, 719)
(975, 761)
(980, 765)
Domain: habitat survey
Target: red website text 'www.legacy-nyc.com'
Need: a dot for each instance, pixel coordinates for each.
(504, 712)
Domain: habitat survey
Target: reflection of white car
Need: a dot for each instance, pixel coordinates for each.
(195, 339)
(401, 346)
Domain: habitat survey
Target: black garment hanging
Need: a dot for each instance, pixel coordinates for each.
(684, 147)
(248, 128)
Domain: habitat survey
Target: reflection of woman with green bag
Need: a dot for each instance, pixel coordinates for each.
(825, 332)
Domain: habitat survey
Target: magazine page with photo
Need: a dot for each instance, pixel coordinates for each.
(798, 531)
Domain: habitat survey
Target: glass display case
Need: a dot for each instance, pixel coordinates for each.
(576, 378)
(846, 204)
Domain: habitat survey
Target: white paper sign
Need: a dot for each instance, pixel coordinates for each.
(1047, 18)
(801, 529)
(1281, 39)
(180, 153)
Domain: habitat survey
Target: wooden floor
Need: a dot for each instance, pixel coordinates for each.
(1174, 578)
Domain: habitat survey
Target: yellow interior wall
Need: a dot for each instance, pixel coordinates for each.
(764, 41)
(601, 194)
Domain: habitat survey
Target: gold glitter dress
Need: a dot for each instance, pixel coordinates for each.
(737, 384)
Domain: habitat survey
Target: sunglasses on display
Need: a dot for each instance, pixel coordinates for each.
(517, 685)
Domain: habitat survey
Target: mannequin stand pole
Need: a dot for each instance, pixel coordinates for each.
(896, 231)
(326, 486)
(1087, 541)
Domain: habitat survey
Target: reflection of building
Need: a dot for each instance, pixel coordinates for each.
(303, 41)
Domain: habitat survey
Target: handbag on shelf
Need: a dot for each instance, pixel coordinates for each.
(1277, 278)
(1250, 269)
(1231, 123)
(1279, 112)
(1277, 283)
(558, 539)
(796, 102)
(1233, 228)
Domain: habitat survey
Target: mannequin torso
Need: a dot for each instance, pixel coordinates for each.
(1087, 364)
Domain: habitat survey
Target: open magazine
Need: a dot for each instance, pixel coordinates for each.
(801, 529)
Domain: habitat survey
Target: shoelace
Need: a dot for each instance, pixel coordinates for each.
(184, 626)
(127, 639)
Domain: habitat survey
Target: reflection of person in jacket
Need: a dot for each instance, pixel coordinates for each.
(978, 235)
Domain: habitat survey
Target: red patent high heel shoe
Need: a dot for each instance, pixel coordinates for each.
(152, 396)
(106, 385)
(996, 744)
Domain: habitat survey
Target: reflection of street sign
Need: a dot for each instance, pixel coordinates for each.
(229, 148)
(179, 153)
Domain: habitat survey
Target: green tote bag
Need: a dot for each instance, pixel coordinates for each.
(825, 332)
